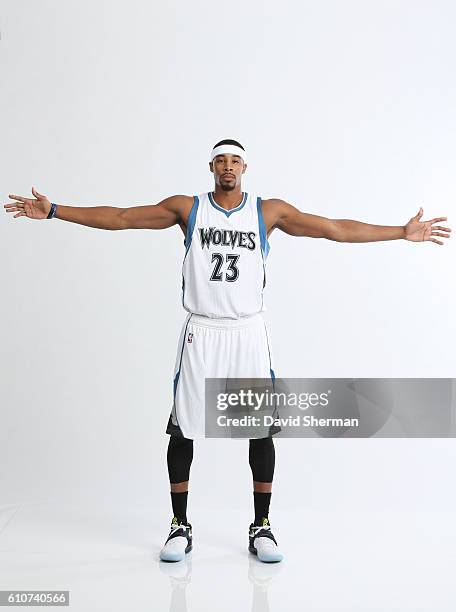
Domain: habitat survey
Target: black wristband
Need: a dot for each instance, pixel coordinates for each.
(52, 211)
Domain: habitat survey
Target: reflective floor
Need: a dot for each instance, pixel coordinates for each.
(109, 561)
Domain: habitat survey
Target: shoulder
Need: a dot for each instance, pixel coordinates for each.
(273, 204)
(274, 208)
(179, 204)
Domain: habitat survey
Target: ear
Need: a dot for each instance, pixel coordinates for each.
(211, 167)
(244, 169)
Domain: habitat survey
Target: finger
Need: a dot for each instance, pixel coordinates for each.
(20, 214)
(13, 209)
(437, 219)
(435, 240)
(37, 194)
(16, 197)
(440, 234)
(419, 214)
(440, 227)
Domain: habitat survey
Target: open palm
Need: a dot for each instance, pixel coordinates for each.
(37, 208)
(418, 231)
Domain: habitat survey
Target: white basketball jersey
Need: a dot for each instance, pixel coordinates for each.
(223, 272)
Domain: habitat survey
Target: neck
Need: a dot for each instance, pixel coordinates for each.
(228, 199)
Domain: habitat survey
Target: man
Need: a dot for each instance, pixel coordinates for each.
(224, 334)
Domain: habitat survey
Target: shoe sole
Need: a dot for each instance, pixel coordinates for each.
(270, 559)
(176, 557)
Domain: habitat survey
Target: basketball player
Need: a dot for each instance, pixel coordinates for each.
(224, 334)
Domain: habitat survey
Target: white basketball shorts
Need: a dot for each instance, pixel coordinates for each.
(215, 348)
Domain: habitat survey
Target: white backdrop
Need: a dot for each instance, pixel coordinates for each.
(346, 110)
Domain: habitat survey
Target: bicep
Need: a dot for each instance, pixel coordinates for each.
(297, 223)
(153, 216)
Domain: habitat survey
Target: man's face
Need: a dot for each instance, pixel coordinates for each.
(227, 170)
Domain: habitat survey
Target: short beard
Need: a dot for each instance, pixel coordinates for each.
(227, 186)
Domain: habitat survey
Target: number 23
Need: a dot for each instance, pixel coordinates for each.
(232, 271)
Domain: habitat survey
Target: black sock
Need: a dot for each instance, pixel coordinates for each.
(261, 501)
(179, 502)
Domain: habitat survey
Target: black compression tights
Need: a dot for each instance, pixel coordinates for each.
(180, 456)
(262, 459)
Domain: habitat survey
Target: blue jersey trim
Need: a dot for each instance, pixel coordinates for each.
(263, 238)
(271, 371)
(272, 375)
(227, 212)
(191, 223)
(176, 378)
(188, 237)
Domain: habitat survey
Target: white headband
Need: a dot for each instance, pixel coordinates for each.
(227, 148)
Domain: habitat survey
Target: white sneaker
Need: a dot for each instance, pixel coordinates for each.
(179, 542)
(262, 542)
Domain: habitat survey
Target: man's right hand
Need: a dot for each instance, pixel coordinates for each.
(170, 211)
(37, 208)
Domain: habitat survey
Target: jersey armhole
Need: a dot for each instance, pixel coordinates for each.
(191, 223)
(265, 247)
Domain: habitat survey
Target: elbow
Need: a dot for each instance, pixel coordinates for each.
(121, 220)
(335, 231)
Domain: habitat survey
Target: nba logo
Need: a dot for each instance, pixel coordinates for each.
(190, 337)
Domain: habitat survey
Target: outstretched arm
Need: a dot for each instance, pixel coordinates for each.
(292, 221)
(170, 211)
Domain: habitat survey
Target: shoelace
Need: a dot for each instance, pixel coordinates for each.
(257, 528)
(175, 527)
